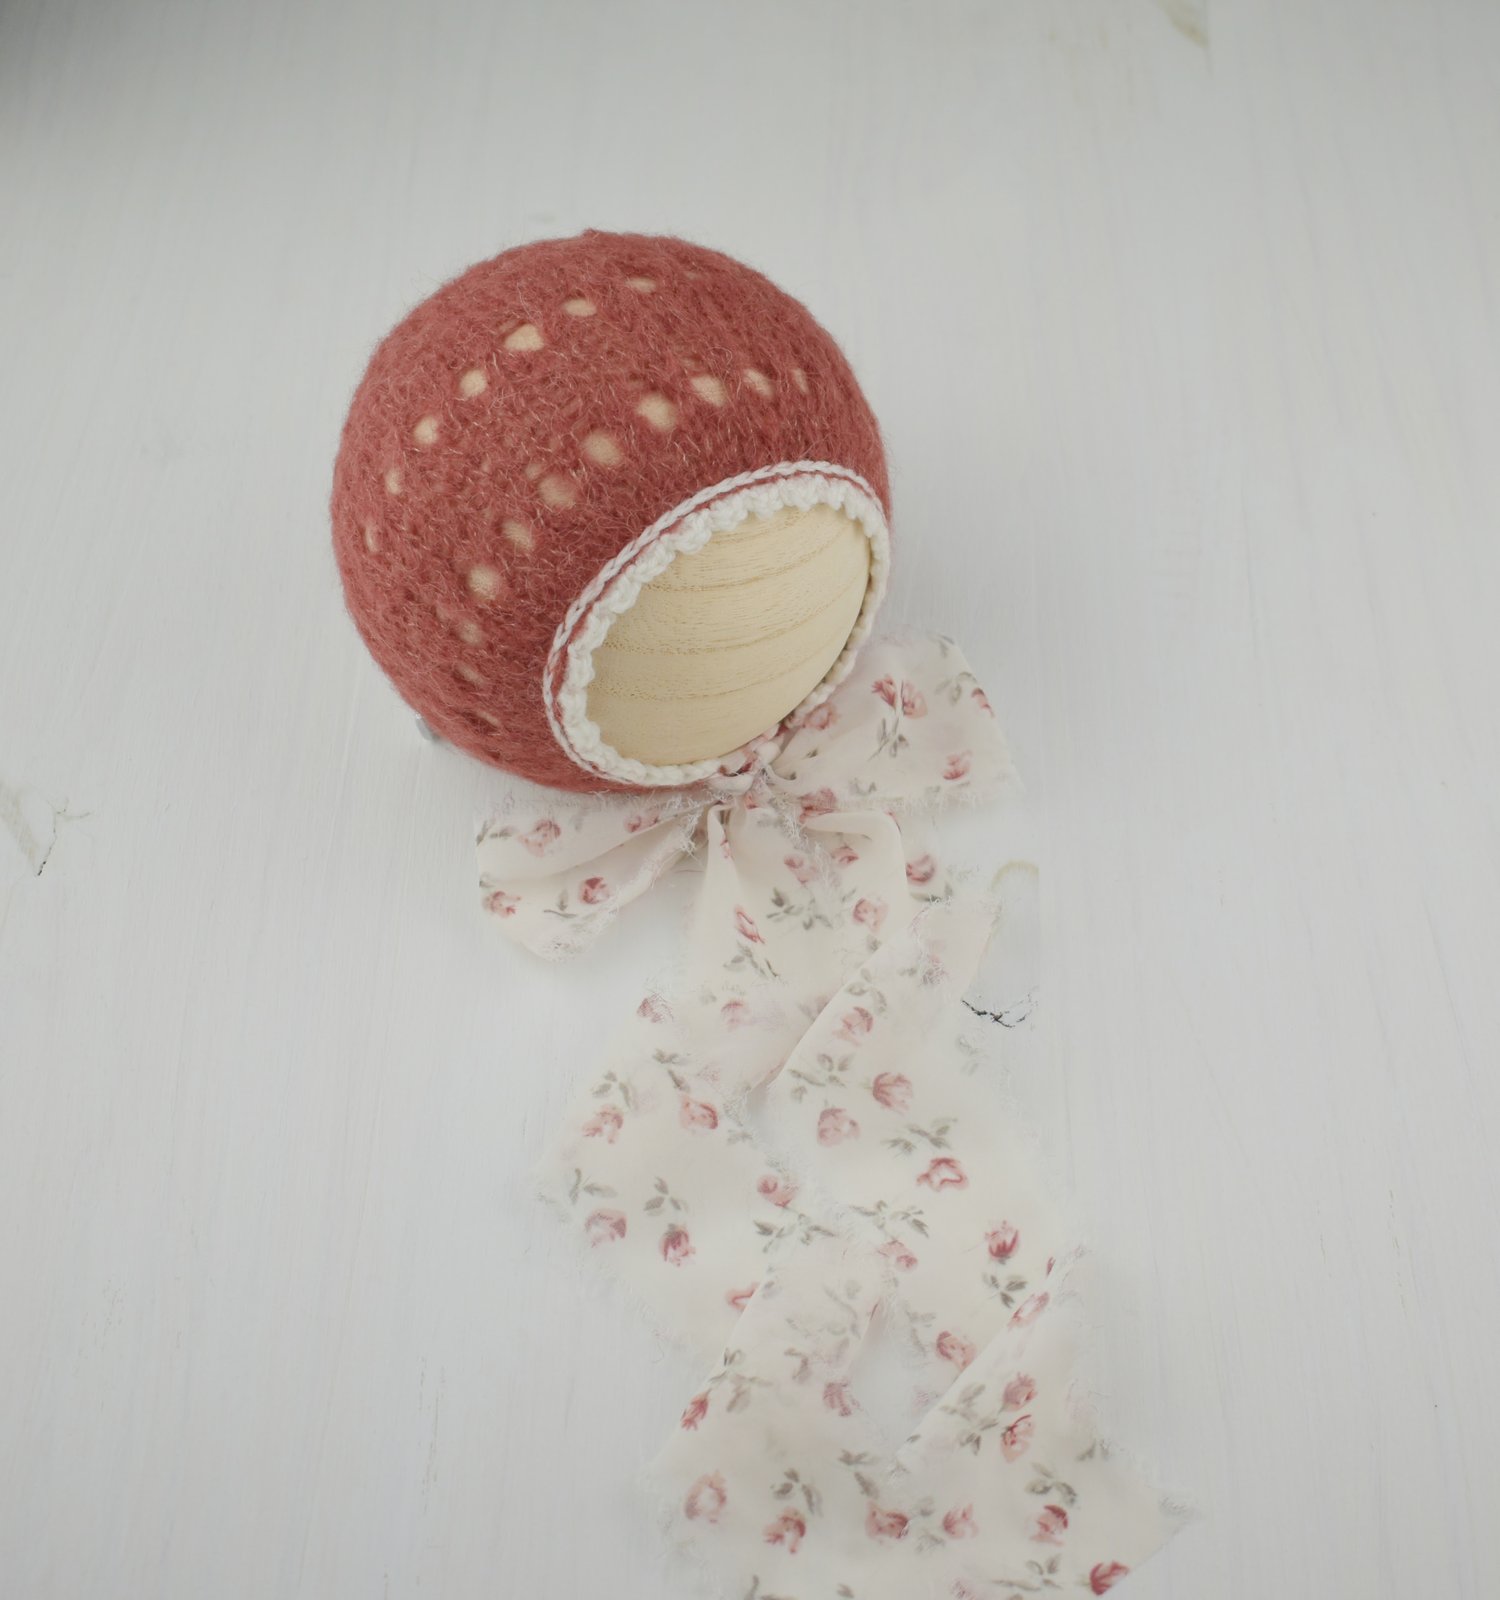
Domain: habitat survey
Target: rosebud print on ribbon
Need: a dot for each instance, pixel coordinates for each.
(828, 958)
(556, 877)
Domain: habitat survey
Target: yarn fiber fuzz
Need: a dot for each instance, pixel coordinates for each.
(527, 422)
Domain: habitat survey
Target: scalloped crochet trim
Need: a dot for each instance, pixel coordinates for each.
(684, 529)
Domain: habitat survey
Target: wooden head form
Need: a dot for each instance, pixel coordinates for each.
(731, 638)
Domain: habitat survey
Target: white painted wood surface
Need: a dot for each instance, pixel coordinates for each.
(1183, 324)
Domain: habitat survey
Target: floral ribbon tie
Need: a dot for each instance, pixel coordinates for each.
(802, 1142)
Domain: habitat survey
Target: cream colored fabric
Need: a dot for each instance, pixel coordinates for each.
(728, 640)
(800, 1146)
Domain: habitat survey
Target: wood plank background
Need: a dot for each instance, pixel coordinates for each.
(1182, 321)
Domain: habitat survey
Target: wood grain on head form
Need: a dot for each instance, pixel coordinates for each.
(729, 639)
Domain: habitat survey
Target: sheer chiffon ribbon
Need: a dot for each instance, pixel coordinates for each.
(801, 1139)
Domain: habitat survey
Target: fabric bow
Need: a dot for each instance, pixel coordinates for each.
(800, 1128)
(907, 733)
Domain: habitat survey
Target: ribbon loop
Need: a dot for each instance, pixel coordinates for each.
(909, 729)
(553, 879)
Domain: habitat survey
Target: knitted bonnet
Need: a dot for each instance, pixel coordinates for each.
(541, 438)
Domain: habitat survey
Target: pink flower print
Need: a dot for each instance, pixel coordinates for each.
(736, 1013)
(893, 1091)
(894, 1251)
(603, 1227)
(886, 689)
(706, 1499)
(654, 1009)
(788, 1529)
(776, 1189)
(960, 1524)
(944, 1173)
(837, 1398)
(1002, 1241)
(835, 1125)
(932, 970)
(697, 1410)
(541, 835)
(870, 913)
(1106, 1574)
(593, 891)
(912, 702)
(1029, 1310)
(957, 766)
(676, 1247)
(980, 698)
(1051, 1521)
(740, 1298)
(883, 1524)
(697, 1116)
(746, 925)
(821, 717)
(605, 1124)
(1020, 1391)
(1015, 1440)
(801, 869)
(923, 869)
(641, 821)
(817, 804)
(501, 903)
(952, 1347)
(856, 1024)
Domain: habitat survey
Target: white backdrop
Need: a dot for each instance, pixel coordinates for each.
(1184, 324)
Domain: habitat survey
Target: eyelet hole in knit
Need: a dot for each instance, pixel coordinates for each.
(372, 538)
(484, 582)
(473, 383)
(641, 285)
(426, 431)
(580, 306)
(557, 491)
(758, 381)
(799, 377)
(527, 337)
(393, 480)
(658, 411)
(709, 388)
(470, 632)
(602, 450)
(518, 534)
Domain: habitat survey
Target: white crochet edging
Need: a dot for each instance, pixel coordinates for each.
(684, 529)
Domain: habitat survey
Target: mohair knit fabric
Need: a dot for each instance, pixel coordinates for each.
(527, 422)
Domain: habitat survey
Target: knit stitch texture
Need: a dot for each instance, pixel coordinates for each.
(527, 422)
